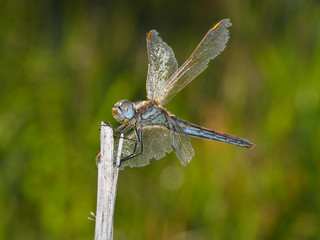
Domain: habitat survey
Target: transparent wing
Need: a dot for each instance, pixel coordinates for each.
(180, 142)
(182, 146)
(156, 143)
(210, 46)
(162, 64)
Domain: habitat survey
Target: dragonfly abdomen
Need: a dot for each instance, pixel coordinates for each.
(198, 131)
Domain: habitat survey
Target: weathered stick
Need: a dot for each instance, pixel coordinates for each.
(107, 185)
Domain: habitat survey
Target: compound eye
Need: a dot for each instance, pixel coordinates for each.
(125, 104)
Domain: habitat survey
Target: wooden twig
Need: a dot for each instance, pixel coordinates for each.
(107, 184)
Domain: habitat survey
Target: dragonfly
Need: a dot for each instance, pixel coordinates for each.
(150, 130)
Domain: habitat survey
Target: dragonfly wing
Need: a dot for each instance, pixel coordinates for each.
(180, 142)
(210, 46)
(156, 143)
(162, 64)
(182, 146)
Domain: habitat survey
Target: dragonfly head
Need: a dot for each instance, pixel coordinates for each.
(123, 111)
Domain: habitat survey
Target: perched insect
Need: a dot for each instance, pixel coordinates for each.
(155, 130)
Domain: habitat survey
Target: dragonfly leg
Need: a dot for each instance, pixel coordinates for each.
(134, 154)
(121, 129)
(109, 125)
(130, 139)
(116, 129)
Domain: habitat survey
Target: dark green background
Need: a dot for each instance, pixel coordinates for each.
(64, 64)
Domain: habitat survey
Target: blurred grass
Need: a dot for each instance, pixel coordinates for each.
(64, 65)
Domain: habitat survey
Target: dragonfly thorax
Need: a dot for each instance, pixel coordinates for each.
(123, 111)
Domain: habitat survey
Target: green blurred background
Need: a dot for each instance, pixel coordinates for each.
(64, 64)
